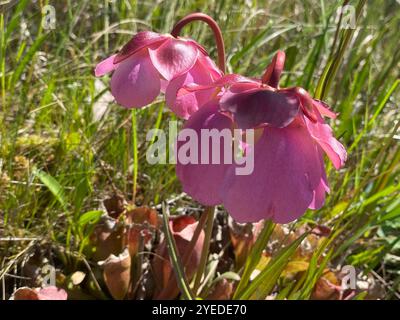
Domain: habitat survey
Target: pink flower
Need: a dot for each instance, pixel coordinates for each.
(291, 136)
(46, 293)
(151, 63)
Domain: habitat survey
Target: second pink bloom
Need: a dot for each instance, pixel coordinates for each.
(151, 63)
(289, 173)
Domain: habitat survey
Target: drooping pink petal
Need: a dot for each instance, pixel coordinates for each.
(203, 181)
(319, 192)
(196, 44)
(173, 58)
(209, 65)
(185, 105)
(256, 107)
(281, 187)
(243, 86)
(318, 197)
(105, 66)
(139, 41)
(323, 109)
(164, 85)
(322, 133)
(192, 102)
(135, 83)
(227, 80)
(235, 79)
(306, 102)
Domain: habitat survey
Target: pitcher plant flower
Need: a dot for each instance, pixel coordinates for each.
(151, 63)
(291, 136)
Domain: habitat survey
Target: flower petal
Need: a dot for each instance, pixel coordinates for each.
(209, 65)
(319, 193)
(174, 57)
(322, 133)
(202, 181)
(323, 108)
(52, 293)
(227, 80)
(139, 41)
(181, 109)
(188, 103)
(286, 172)
(256, 107)
(135, 83)
(105, 66)
(318, 197)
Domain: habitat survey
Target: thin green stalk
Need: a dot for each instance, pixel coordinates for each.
(379, 108)
(336, 37)
(106, 25)
(3, 63)
(3, 79)
(334, 63)
(135, 154)
(206, 247)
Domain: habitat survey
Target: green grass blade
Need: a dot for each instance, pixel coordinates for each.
(379, 109)
(135, 154)
(89, 217)
(255, 256)
(52, 184)
(262, 285)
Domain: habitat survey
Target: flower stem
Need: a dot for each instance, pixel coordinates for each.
(209, 212)
(206, 248)
(135, 155)
(215, 28)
